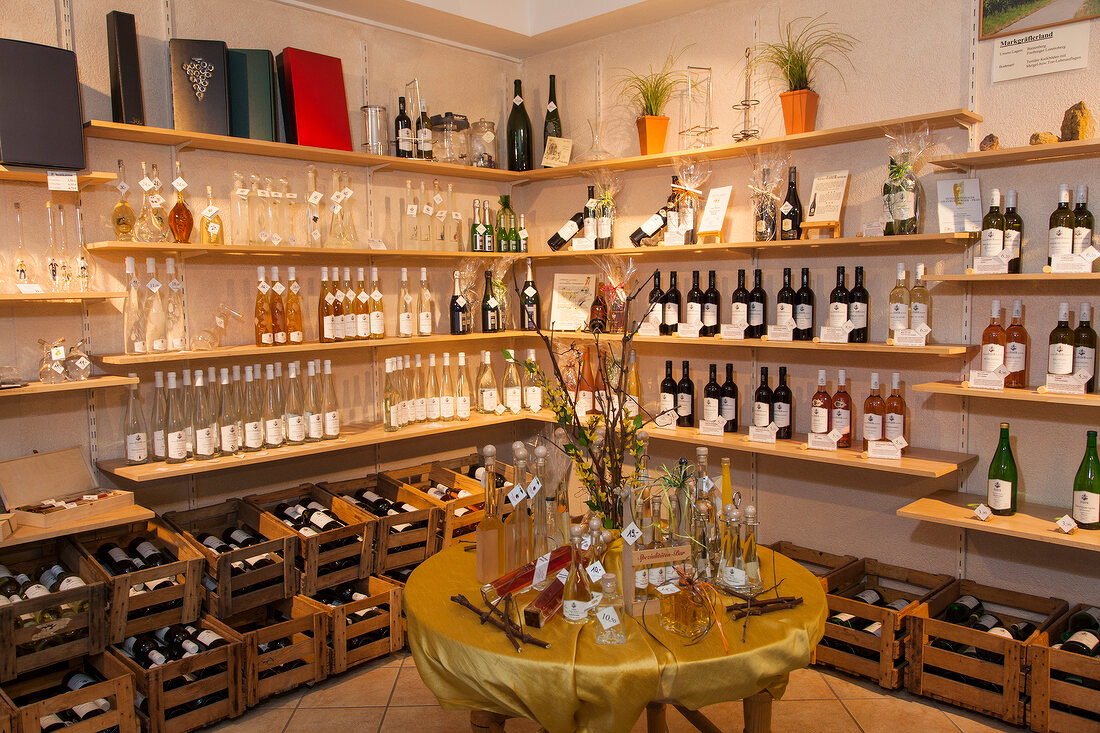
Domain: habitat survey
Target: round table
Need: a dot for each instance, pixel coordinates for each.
(578, 685)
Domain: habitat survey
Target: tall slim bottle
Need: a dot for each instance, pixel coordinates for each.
(446, 390)
(295, 331)
(894, 426)
(1060, 349)
(329, 406)
(175, 316)
(122, 216)
(899, 304)
(1014, 232)
(206, 438)
(1002, 477)
(277, 308)
(462, 389)
(1086, 487)
(326, 328)
(175, 431)
(133, 313)
(314, 230)
(311, 394)
(842, 411)
(264, 334)
(362, 307)
(518, 136)
(530, 306)
(273, 412)
(253, 438)
(377, 309)
(424, 315)
(137, 434)
(156, 318)
(1060, 231)
(490, 531)
(403, 131)
(1084, 347)
(551, 126)
(920, 302)
(993, 340)
(228, 415)
(859, 308)
(431, 391)
(1016, 340)
(874, 413)
(411, 217)
(391, 421)
(180, 219)
(790, 213)
(351, 326)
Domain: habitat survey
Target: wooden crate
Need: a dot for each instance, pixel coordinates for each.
(451, 526)
(818, 562)
(1056, 704)
(37, 645)
(234, 593)
(996, 689)
(315, 554)
(395, 549)
(880, 658)
(307, 630)
(168, 693)
(117, 689)
(132, 614)
(344, 637)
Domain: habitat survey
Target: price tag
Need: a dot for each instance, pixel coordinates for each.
(516, 495)
(315, 197)
(291, 196)
(156, 200)
(990, 265)
(712, 427)
(57, 353)
(668, 589)
(987, 380)
(580, 244)
(900, 442)
(428, 209)
(219, 322)
(275, 239)
(883, 449)
(777, 332)
(460, 302)
(563, 575)
(263, 193)
(595, 571)
(541, 566)
(347, 192)
(688, 330)
(329, 297)
(500, 408)
(1070, 263)
(337, 197)
(648, 329)
(122, 187)
(335, 209)
(550, 107)
(586, 541)
(276, 194)
(375, 294)
(1065, 384)
(833, 335)
(1066, 524)
(210, 212)
(762, 435)
(441, 214)
(376, 244)
(874, 229)
(456, 215)
(848, 327)
(631, 533)
(911, 337)
(362, 297)
(29, 288)
(175, 285)
(278, 287)
(243, 193)
(179, 184)
(707, 484)
(821, 441)
(982, 512)
(61, 181)
(146, 184)
(608, 617)
(1089, 254)
(517, 100)
(493, 302)
(733, 331)
(533, 487)
(153, 284)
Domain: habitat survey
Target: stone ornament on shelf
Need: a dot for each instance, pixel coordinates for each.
(1078, 123)
(989, 142)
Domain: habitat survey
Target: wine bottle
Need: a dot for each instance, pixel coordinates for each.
(568, 230)
(403, 132)
(273, 412)
(1084, 347)
(1002, 477)
(842, 411)
(175, 425)
(1086, 488)
(762, 402)
(790, 213)
(294, 328)
(1016, 349)
(490, 308)
(277, 308)
(685, 398)
(727, 407)
(820, 412)
(894, 426)
(666, 404)
(137, 435)
(462, 389)
(783, 407)
(404, 306)
(839, 300)
(460, 310)
(391, 420)
(362, 306)
(520, 156)
(351, 325)
(764, 213)
(377, 307)
(712, 397)
(650, 227)
(785, 300)
(695, 303)
(758, 307)
(1060, 234)
(325, 311)
(486, 385)
(597, 313)
(712, 306)
(590, 216)
(1060, 351)
(424, 133)
(227, 414)
(739, 309)
(920, 301)
(874, 413)
(551, 126)
(1014, 231)
(530, 318)
(1082, 220)
(993, 227)
(899, 304)
(670, 306)
(993, 340)
(859, 307)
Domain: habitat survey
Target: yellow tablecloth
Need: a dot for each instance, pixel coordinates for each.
(578, 685)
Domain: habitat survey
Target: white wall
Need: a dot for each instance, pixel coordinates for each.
(891, 75)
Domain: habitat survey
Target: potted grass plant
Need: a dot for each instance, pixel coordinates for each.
(805, 45)
(649, 93)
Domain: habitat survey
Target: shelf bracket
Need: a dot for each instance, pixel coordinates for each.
(372, 168)
(181, 146)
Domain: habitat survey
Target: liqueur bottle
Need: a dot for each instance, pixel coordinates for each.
(123, 218)
(180, 220)
(576, 597)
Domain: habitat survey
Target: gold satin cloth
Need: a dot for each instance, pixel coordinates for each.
(578, 685)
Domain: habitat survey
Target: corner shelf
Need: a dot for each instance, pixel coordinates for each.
(1015, 395)
(37, 388)
(38, 175)
(1031, 521)
(24, 534)
(1037, 277)
(58, 297)
(1022, 155)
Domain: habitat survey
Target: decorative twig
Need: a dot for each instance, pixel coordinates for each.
(514, 634)
(762, 609)
(769, 602)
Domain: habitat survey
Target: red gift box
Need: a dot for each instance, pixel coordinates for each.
(315, 107)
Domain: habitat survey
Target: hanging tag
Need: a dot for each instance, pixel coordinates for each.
(456, 215)
(533, 487)
(275, 239)
(516, 495)
(156, 200)
(982, 512)
(57, 353)
(437, 199)
(290, 196)
(315, 197)
(263, 193)
(210, 212)
(428, 209)
(278, 287)
(337, 197)
(541, 566)
(179, 184)
(153, 284)
(241, 192)
(707, 484)
(550, 107)
(900, 442)
(500, 408)
(1066, 524)
(335, 209)
(517, 100)
(668, 589)
(146, 184)
(595, 571)
(122, 187)
(347, 192)
(608, 617)
(563, 575)
(441, 214)
(631, 533)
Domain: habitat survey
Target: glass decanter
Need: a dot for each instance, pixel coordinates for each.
(123, 217)
(180, 220)
(213, 337)
(239, 213)
(53, 252)
(160, 213)
(52, 368)
(290, 229)
(78, 366)
(147, 227)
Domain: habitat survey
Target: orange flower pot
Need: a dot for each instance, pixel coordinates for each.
(652, 132)
(799, 110)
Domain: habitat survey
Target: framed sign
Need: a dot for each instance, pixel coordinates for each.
(1005, 17)
(571, 301)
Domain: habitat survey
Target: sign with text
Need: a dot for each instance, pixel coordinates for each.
(1050, 50)
(827, 196)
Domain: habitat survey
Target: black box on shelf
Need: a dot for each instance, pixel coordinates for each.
(127, 101)
(200, 99)
(252, 93)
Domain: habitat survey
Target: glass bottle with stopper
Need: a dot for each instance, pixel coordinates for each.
(490, 532)
(610, 612)
(576, 597)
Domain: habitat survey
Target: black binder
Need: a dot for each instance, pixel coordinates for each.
(200, 102)
(40, 115)
(127, 103)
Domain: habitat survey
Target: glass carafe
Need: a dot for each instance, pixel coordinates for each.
(483, 144)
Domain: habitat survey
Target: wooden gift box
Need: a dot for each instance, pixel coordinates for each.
(59, 474)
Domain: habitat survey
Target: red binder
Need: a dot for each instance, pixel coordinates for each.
(315, 107)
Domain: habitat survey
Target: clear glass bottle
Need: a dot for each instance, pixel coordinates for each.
(329, 406)
(311, 409)
(253, 438)
(123, 218)
(431, 391)
(23, 269)
(411, 218)
(187, 404)
(133, 313)
(53, 255)
(295, 411)
(920, 302)
(416, 388)
(361, 307)
(404, 306)
(273, 412)
(158, 417)
(446, 391)
(424, 221)
(532, 390)
(424, 315)
(377, 310)
(239, 216)
(137, 433)
(160, 213)
(206, 438)
(175, 432)
(277, 209)
(731, 569)
(610, 612)
(462, 390)
(314, 234)
(337, 234)
(487, 393)
(156, 317)
(899, 304)
(453, 227)
(576, 598)
(228, 417)
(258, 232)
(439, 218)
(238, 401)
(490, 531)
(351, 326)
(391, 421)
(265, 335)
(512, 386)
(145, 226)
(175, 315)
(180, 219)
(751, 555)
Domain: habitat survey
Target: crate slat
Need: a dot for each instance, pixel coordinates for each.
(117, 688)
(1048, 692)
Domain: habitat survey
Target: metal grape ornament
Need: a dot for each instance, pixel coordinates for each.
(199, 71)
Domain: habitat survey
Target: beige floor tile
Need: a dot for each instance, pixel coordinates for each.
(410, 690)
(971, 722)
(272, 720)
(368, 688)
(808, 684)
(847, 687)
(328, 720)
(892, 714)
(425, 718)
(728, 716)
(812, 716)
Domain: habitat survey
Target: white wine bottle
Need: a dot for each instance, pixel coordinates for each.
(390, 419)
(329, 405)
(404, 306)
(228, 416)
(512, 386)
(206, 439)
(462, 389)
(899, 303)
(446, 390)
(431, 391)
(420, 400)
(486, 385)
(273, 411)
(252, 414)
(295, 414)
(424, 315)
(137, 434)
(175, 433)
(158, 417)
(315, 425)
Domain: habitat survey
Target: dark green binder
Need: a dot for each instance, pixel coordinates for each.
(252, 93)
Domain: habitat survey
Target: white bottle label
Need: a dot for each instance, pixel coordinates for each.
(804, 316)
(603, 227)
(574, 610)
(652, 225)
(657, 575)
(740, 313)
(316, 426)
(1082, 239)
(362, 325)
(513, 399)
(583, 402)
(1015, 356)
(177, 445)
(405, 324)
(656, 314)
(1012, 243)
(641, 579)
(425, 324)
(1084, 359)
(432, 408)
(295, 428)
(1086, 507)
(710, 408)
(533, 397)
(694, 313)
(895, 425)
(1060, 359)
(395, 416)
(671, 314)
(273, 431)
(327, 329)
(761, 414)
(710, 314)
(377, 323)
(734, 577)
(667, 402)
(462, 407)
(1060, 241)
(137, 447)
(842, 420)
(756, 314)
(728, 408)
(838, 314)
(857, 313)
(899, 316)
(819, 420)
(872, 427)
(1000, 494)
(158, 443)
(204, 441)
(229, 438)
(568, 230)
(993, 241)
(918, 315)
(447, 407)
(420, 409)
(253, 434)
(783, 313)
(630, 406)
(683, 405)
(993, 355)
(782, 414)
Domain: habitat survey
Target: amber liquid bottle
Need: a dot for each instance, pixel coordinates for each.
(490, 531)
(324, 310)
(278, 309)
(874, 414)
(842, 411)
(264, 336)
(295, 330)
(180, 220)
(993, 340)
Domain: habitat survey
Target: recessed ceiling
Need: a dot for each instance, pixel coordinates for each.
(513, 28)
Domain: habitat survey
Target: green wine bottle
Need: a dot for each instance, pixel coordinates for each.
(552, 126)
(1002, 477)
(520, 155)
(1086, 487)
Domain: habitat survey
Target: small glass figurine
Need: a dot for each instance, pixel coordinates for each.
(610, 613)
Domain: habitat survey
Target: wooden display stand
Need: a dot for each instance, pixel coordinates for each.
(1057, 704)
(117, 689)
(819, 226)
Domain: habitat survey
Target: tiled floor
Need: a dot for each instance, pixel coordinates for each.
(388, 696)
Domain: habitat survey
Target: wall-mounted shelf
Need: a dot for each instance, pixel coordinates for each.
(58, 297)
(277, 353)
(24, 534)
(1031, 521)
(322, 255)
(37, 388)
(38, 175)
(1016, 395)
(1022, 277)
(1022, 155)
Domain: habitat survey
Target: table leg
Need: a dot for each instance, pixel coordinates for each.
(482, 721)
(758, 712)
(655, 717)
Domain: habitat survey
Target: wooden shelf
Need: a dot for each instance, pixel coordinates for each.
(197, 251)
(703, 343)
(58, 297)
(23, 534)
(277, 352)
(354, 436)
(1022, 155)
(1037, 277)
(1031, 521)
(1016, 395)
(38, 175)
(185, 140)
(35, 388)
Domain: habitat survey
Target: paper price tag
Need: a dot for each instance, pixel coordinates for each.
(57, 353)
(122, 187)
(263, 193)
(1066, 524)
(500, 408)
(153, 284)
(631, 533)
(883, 449)
(1070, 263)
(1065, 384)
(833, 335)
(335, 209)
(563, 575)
(375, 294)
(290, 196)
(456, 215)
(516, 495)
(276, 194)
(428, 209)
(275, 239)
(900, 442)
(29, 288)
(517, 100)
(707, 484)
(550, 106)
(145, 183)
(243, 192)
(983, 512)
(910, 337)
(848, 327)
(1089, 254)
(329, 297)
(688, 330)
(541, 566)
(821, 441)
(315, 197)
(376, 244)
(668, 589)
(337, 197)
(347, 192)
(648, 329)
(61, 181)
(278, 287)
(987, 380)
(733, 331)
(179, 184)
(990, 265)
(712, 427)
(362, 297)
(460, 302)
(762, 435)
(533, 487)
(210, 212)
(493, 302)
(156, 200)
(595, 571)
(608, 617)
(581, 244)
(777, 332)
(441, 214)
(219, 322)
(585, 542)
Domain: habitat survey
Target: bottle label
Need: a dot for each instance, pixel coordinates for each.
(513, 399)
(229, 438)
(671, 314)
(446, 407)
(819, 420)
(207, 637)
(1060, 241)
(783, 312)
(683, 405)
(425, 323)
(641, 579)
(657, 575)
(694, 313)
(568, 230)
(857, 313)
(137, 447)
(1012, 243)
(315, 425)
(420, 409)
(918, 315)
(734, 577)
(993, 241)
(205, 441)
(710, 408)
(273, 431)
(377, 323)
(583, 402)
(630, 405)
(782, 414)
(1060, 359)
(1015, 356)
(533, 397)
(838, 314)
(603, 227)
(405, 324)
(872, 427)
(1086, 507)
(804, 316)
(895, 425)
(756, 314)
(589, 227)
(1082, 239)
(710, 314)
(424, 140)
(1000, 494)
(462, 407)
(487, 399)
(253, 434)
(362, 325)
(652, 225)
(903, 204)
(842, 420)
(295, 428)
(280, 337)
(786, 223)
(899, 316)
(320, 521)
(177, 445)
(575, 610)
(993, 356)
(761, 414)
(71, 582)
(327, 328)
(395, 416)
(667, 402)
(1084, 359)
(728, 408)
